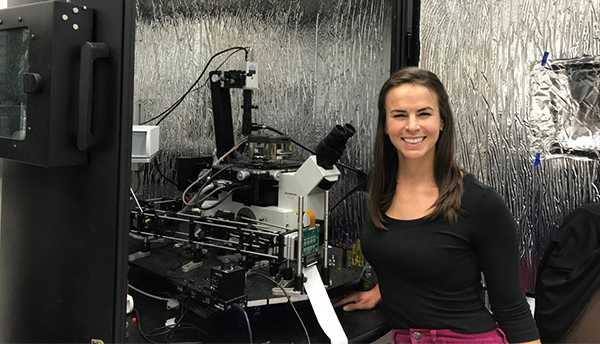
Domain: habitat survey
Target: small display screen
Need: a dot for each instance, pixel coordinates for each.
(14, 62)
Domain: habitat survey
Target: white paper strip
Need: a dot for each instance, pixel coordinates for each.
(319, 300)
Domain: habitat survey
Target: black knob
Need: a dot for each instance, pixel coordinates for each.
(226, 264)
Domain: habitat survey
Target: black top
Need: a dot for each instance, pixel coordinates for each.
(429, 271)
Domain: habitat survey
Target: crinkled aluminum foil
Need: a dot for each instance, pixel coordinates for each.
(565, 113)
(508, 107)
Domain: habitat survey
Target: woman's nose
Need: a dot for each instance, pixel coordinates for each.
(413, 123)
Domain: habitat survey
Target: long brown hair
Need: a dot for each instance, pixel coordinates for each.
(445, 168)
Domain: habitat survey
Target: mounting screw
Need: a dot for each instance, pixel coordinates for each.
(75, 10)
(0, 22)
(15, 146)
(32, 36)
(75, 27)
(28, 128)
(65, 17)
(20, 19)
(85, 7)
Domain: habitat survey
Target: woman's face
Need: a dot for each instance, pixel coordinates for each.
(413, 121)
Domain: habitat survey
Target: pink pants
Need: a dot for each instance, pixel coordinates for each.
(418, 336)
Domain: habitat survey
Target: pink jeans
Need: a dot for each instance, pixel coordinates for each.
(418, 336)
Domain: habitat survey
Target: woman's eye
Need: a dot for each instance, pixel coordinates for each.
(398, 115)
(424, 114)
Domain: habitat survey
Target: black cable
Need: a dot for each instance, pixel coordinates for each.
(218, 67)
(236, 306)
(169, 330)
(139, 326)
(155, 161)
(139, 181)
(186, 326)
(288, 297)
(173, 106)
(339, 164)
(208, 180)
(356, 188)
(180, 100)
(211, 177)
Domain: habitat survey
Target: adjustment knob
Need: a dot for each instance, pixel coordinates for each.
(226, 264)
(243, 175)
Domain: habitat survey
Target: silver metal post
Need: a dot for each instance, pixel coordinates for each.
(326, 231)
(300, 230)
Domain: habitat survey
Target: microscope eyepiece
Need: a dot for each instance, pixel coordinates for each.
(331, 148)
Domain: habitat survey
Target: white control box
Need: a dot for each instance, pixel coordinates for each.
(144, 144)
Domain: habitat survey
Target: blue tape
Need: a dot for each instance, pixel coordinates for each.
(545, 58)
(537, 160)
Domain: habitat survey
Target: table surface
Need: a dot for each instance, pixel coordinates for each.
(270, 324)
(273, 323)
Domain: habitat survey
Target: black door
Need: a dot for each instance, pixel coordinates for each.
(63, 265)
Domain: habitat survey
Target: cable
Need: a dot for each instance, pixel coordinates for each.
(139, 181)
(205, 197)
(193, 200)
(150, 295)
(218, 67)
(230, 151)
(173, 106)
(356, 188)
(236, 306)
(185, 326)
(200, 178)
(155, 160)
(222, 199)
(139, 326)
(288, 297)
(308, 149)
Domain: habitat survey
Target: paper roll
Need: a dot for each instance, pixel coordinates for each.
(319, 300)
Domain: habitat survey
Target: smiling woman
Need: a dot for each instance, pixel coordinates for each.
(433, 229)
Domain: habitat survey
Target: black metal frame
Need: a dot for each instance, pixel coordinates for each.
(63, 253)
(406, 42)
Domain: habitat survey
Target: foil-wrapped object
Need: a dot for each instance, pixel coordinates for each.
(565, 109)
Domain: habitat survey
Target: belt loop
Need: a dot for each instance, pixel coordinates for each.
(434, 336)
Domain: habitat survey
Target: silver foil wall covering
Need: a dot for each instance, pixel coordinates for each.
(320, 63)
(523, 79)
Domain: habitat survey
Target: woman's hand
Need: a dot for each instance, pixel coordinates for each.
(359, 300)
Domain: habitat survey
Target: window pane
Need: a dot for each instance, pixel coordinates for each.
(14, 62)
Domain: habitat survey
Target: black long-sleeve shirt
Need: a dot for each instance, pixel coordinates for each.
(429, 271)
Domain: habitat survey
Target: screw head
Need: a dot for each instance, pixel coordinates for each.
(75, 10)
(32, 36)
(65, 17)
(0, 22)
(75, 27)
(20, 19)
(15, 146)
(28, 128)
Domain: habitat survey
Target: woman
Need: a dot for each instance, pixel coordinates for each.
(432, 231)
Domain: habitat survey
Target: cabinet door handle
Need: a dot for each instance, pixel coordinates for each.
(90, 52)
